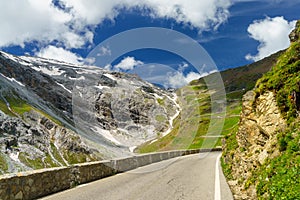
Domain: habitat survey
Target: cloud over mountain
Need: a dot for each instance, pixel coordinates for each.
(59, 53)
(127, 63)
(272, 34)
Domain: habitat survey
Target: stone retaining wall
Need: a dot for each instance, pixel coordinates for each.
(39, 183)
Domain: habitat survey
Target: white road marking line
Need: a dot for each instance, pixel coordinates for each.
(217, 180)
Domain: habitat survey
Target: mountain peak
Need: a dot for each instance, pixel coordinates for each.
(110, 112)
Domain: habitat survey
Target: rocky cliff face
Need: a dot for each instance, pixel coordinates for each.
(54, 113)
(262, 159)
(256, 141)
(37, 142)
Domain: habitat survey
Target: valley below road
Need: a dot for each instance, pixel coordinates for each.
(197, 176)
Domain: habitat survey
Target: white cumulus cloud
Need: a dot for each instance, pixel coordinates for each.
(178, 79)
(34, 20)
(127, 63)
(59, 53)
(71, 25)
(104, 51)
(199, 14)
(272, 33)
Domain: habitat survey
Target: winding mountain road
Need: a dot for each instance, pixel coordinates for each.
(197, 176)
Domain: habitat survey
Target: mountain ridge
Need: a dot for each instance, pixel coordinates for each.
(68, 108)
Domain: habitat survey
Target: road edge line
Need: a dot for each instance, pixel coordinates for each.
(217, 179)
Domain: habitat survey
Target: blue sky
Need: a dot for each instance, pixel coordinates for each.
(233, 32)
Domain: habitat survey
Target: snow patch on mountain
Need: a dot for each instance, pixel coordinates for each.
(110, 76)
(61, 85)
(106, 134)
(52, 71)
(13, 80)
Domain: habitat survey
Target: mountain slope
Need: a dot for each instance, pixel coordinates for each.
(190, 127)
(262, 159)
(54, 113)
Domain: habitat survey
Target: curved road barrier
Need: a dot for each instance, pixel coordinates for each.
(39, 183)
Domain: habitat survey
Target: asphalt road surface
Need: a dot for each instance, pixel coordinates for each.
(189, 177)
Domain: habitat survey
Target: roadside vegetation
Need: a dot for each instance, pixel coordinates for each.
(278, 178)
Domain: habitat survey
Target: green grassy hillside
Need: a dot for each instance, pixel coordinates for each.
(279, 177)
(191, 126)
